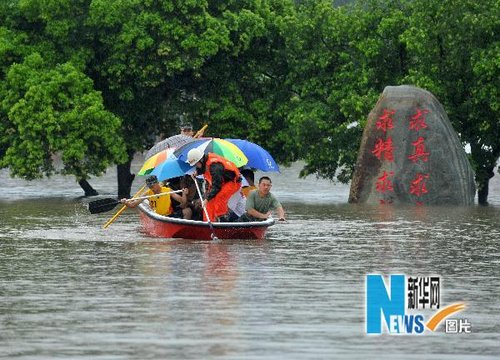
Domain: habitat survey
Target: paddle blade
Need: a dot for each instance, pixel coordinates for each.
(102, 205)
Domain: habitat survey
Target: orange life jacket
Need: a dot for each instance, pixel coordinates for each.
(228, 165)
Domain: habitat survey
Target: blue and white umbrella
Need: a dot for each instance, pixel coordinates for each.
(171, 168)
(258, 157)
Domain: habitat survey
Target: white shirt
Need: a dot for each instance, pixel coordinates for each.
(238, 201)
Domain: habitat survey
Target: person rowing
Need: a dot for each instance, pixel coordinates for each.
(223, 178)
(162, 205)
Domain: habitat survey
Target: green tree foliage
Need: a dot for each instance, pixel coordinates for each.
(48, 111)
(340, 59)
(145, 52)
(455, 53)
(49, 106)
(241, 90)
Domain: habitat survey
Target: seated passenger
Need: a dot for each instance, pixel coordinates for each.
(236, 205)
(193, 199)
(261, 203)
(181, 208)
(249, 176)
(237, 202)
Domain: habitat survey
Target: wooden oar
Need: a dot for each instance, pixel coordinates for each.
(200, 132)
(122, 209)
(214, 238)
(107, 204)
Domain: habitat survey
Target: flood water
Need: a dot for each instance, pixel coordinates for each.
(70, 289)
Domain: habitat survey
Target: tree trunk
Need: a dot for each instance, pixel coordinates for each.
(87, 188)
(125, 177)
(483, 180)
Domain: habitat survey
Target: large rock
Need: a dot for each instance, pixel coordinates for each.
(410, 154)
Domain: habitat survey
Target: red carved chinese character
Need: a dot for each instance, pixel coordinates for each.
(420, 153)
(417, 186)
(385, 120)
(383, 183)
(417, 121)
(384, 148)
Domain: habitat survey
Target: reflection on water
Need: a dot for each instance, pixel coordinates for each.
(70, 289)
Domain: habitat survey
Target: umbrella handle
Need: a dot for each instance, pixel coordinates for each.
(110, 221)
(214, 238)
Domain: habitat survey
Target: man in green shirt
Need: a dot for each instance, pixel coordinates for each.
(261, 203)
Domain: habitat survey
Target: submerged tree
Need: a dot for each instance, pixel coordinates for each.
(55, 111)
(49, 106)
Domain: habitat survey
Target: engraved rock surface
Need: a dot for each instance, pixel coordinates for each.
(410, 154)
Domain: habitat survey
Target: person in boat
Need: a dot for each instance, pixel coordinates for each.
(194, 200)
(237, 202)
(186, 129)
(223, 179)
(182, 209)
(261, 203)
(236, 205)
(249, 176)
(162, 205)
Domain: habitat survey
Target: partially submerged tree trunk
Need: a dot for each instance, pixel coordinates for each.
(87, 188)
(125, 177)
(483, 178)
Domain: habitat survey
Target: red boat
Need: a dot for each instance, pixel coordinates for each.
(168, 227)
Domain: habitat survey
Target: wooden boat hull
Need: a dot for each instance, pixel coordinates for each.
(167, 227)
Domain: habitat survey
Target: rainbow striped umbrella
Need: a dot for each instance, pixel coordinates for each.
(214, 145)
(155, 160)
